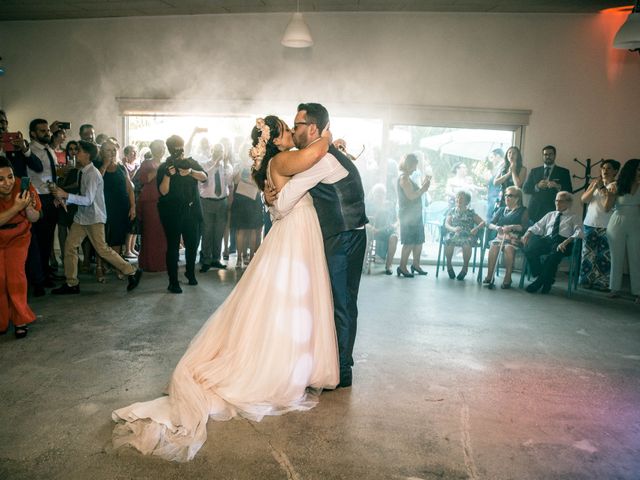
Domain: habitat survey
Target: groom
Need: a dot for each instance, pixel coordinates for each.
(338, 196)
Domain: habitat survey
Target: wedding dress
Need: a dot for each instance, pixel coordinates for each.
(273, 337)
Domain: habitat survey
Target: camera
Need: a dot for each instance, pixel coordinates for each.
(64, 125)
(183, 163)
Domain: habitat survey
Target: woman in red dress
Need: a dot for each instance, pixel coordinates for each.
(153, 244)
(18, 210)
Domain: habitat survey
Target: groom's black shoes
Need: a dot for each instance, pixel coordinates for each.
(345, 379)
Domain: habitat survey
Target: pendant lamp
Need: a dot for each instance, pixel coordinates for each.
(297, 34)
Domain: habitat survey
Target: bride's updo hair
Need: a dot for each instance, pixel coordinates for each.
(263, 148)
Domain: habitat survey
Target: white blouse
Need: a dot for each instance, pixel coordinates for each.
(596, 216)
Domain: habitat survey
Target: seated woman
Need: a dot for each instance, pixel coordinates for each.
(463, 225)
(383, 219)
(510, 222)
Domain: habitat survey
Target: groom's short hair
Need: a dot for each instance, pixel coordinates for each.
(316, 113)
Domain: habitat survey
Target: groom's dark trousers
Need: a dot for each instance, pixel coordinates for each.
(345, 254)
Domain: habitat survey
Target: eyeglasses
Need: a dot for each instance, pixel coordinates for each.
(510, 195)
(297, 124)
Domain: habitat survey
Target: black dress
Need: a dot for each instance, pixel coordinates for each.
(116, 199)
(246, 211)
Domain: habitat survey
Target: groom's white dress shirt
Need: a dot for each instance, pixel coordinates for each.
(327, 170)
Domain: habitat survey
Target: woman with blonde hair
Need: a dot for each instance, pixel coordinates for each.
(410, 216)
(510, 222)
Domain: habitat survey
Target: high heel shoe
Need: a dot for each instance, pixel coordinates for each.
(387, 271)
(462, 274)
(403, 273)
(451, 272)
(417, 270)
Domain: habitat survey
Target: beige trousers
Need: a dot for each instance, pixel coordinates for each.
(95, 232)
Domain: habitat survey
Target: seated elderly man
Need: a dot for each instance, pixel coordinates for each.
(552, 235)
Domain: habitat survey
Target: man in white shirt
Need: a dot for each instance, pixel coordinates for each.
(89, 222)
(214, 194)
(44, 230)
(553, 235)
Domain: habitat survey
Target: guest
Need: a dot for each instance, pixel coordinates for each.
(87, 133)
(179, 208)
(202, 152)
(214, 194)
(19, 154)
(44, 230)
(544, 183)
(410, 215)
(130, 160)
(228, 237)
(57, 139)
(383, 219)
(23, 160)
(552, 236)
(18, 210)
(69, 180)
(153, 243)
(596, 257)
(89, 222)
(101, 138)
(246, 213)
(119, 200)
(496, 161)
(460, 181)
(513, 173)
(131, 165)
(510, 222)
(623, 230)
(462, 225)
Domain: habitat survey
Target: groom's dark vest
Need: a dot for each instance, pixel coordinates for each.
(340, 205)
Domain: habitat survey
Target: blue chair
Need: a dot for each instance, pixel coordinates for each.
(478, 245)
(574, 267)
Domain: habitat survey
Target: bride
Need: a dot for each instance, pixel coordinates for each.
(271, 346)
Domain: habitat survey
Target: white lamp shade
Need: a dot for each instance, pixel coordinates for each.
(297, 34)
(628, 37)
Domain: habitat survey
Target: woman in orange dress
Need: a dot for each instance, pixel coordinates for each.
(18, 210)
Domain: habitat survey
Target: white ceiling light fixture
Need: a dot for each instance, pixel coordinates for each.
(297, 34)
(628, 37)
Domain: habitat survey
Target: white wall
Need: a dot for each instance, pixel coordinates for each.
(583, 94)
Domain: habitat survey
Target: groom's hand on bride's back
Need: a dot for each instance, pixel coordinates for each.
(270, 194)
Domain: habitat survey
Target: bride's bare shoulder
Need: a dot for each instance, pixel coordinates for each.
(277, 178)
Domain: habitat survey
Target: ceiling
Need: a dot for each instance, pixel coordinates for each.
(63, 9)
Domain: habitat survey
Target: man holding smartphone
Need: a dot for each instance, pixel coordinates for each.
(19, 153)
(44, 230)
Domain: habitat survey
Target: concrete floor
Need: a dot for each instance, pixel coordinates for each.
(451, 382)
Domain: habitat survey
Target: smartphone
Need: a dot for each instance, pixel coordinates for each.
(64, 125)
(24, 184)
(7, 141)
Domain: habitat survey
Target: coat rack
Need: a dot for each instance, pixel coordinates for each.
(587, 178)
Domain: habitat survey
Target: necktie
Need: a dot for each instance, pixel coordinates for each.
(555, 231)
(218, 187)
(52, 164)
(547, 172)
